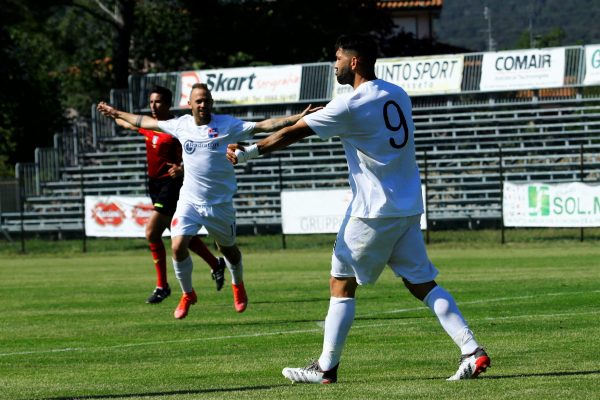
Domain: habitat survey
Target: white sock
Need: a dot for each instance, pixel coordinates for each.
(337, 325)
(236, 270)
(183, 272)
(444, 307)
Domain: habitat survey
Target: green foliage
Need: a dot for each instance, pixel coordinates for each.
(462, 23)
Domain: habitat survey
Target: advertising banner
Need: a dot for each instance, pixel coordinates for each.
(252, 85)
(522, 69)
(118, 216)
(573, 205)
(592, 65)
(318, 211)
(418, 75)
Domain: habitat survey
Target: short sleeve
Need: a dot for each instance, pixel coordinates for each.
(170, 126)
(241, 130)
(333, 120)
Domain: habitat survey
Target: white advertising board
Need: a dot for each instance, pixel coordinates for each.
(573, 204)
(253, 85)
(418, 75)
(522, 69)
(119, 216)
(592, 65)
(318, 211)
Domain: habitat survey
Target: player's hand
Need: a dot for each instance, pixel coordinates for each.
(106, 110)
(175, 170)
(309, 110)
(233, 150)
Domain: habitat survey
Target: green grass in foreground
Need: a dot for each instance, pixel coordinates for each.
(76, 326)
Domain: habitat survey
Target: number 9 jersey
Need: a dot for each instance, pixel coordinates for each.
(375, 125)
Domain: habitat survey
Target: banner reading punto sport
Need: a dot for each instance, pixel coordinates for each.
(118, 216)
(573, 205)
(418, 75)
(318, 211)
(253, 85)
(522, 69)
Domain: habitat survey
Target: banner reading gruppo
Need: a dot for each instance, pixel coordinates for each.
(118, 216)
(318, 211)
(253, 85)
(418, 75)
(523, 69)
(573, 204)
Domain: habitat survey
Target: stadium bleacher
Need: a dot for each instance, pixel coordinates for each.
(460, 139)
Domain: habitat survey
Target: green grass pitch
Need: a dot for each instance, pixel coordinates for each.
(75, 326)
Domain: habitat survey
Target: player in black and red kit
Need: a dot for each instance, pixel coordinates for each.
(165, 177)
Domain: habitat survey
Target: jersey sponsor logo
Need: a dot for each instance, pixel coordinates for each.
(141, 213)
(154, 141)
(108, 214)
(212, 133)
(190, 146)
(174, 222)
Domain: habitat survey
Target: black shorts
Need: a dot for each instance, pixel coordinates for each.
(164, 194)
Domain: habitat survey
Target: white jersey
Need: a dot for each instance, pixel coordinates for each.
(208, 177)
(376, 127)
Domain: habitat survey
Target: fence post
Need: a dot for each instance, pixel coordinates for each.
(283, 242)
(426, 197)
(581, 180)
(84, 236)
(501, 180)
(21, 205)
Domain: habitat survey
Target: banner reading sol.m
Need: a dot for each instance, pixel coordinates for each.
(573, 205)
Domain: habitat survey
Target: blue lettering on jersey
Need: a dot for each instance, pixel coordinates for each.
(190, 146)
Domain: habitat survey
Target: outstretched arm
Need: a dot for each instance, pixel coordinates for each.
(136, 121)
(274, 124)
(279, 140)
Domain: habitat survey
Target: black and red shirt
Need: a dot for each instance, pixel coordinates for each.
(161, 148)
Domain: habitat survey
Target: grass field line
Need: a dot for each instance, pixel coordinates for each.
(320, 324)
(402, 310)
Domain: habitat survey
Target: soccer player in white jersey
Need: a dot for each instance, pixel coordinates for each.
(382, 223)
(209, 183)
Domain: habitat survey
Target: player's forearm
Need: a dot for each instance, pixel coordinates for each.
(275, 124)
(138, 121)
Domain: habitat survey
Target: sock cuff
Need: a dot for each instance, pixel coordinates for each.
(340, 300)
(156, 246)
(431, 294)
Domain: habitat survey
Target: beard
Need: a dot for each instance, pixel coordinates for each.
(345, 76)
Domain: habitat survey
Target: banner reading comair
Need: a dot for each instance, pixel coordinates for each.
(257, 85)
(524, 69)
(318, 211)
(418, 75)
(118, 216)
(592, 65)
(551, 205)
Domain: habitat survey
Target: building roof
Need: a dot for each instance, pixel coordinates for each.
(412, 4)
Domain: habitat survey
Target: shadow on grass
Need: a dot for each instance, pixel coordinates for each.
(542, 374)
(170, 393)
(530, 375)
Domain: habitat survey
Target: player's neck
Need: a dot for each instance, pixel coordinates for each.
(360, 79)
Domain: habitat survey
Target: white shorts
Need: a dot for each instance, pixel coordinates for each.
(365, 245)
(218, 219)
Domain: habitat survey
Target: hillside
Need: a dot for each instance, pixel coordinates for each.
(462, 22)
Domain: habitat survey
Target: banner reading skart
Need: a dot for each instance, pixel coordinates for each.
(253, 85)
(418, 75)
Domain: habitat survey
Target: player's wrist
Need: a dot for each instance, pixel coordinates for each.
(248, 153)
